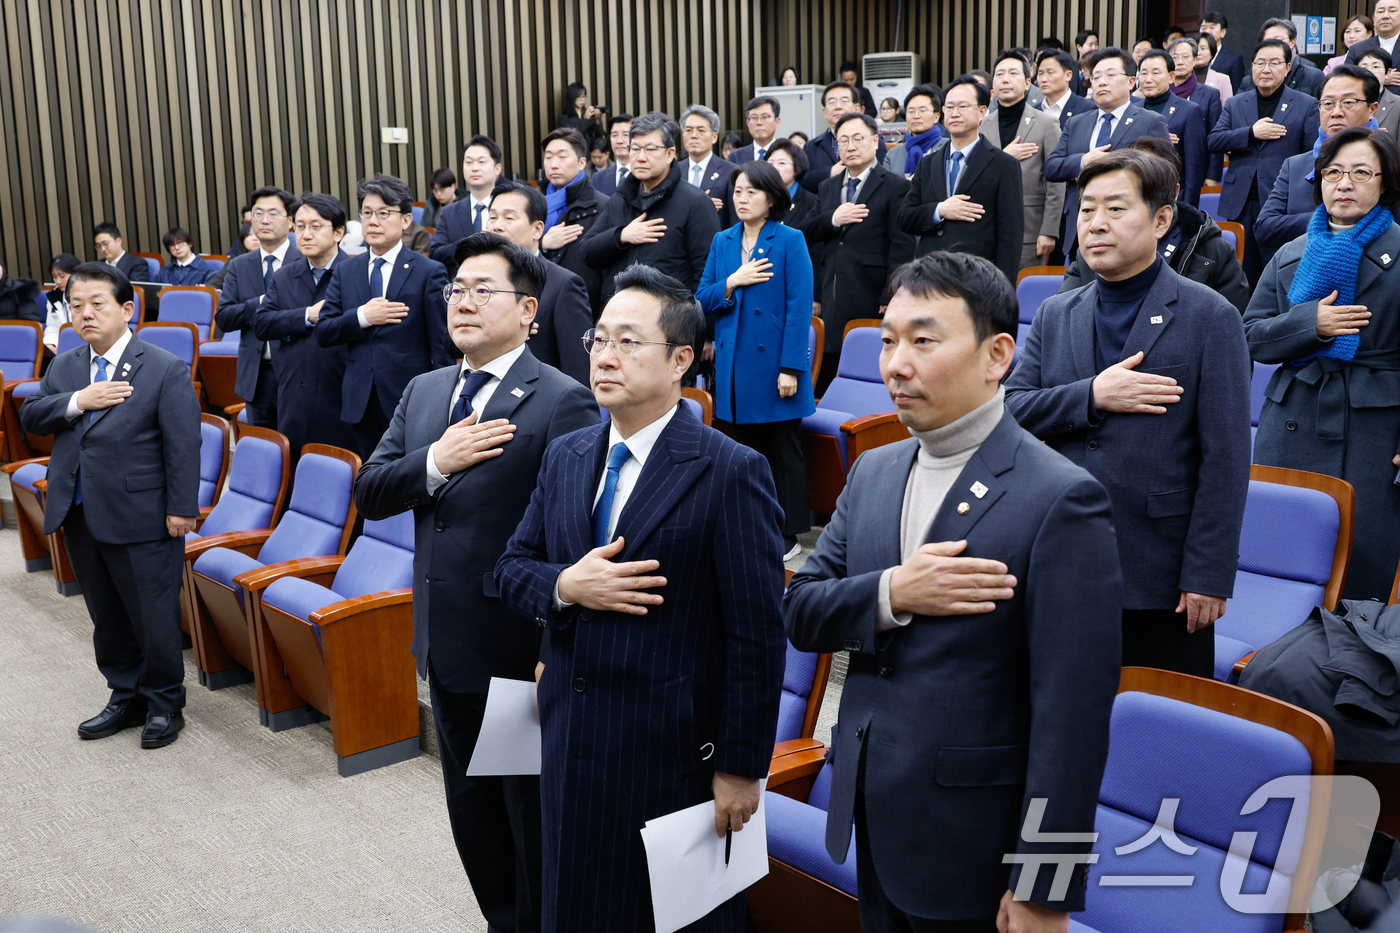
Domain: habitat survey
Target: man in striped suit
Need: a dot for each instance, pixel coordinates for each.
(652, 552)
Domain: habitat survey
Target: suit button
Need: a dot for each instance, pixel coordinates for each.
(940, 232)
(887, 672)
(542, 623)
(1093, 445)
(371, 369)
(440, 526)
(860, 731)
(82, 446)
(1291, 425)
(580, 685)
(426, 579)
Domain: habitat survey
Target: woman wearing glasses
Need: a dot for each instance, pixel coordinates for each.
(1327, 310)
(757, 289)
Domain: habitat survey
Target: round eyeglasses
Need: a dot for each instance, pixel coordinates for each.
(625, 346)
(480, 294)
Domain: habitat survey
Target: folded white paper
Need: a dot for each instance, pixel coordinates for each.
(509, 742)
(686, 862)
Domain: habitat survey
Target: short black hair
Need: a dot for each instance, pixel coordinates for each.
(796, 75)
(1113, 51)
(800, 165)
(983, 78)
(572, 93)
(176, 235)
(865, 118)
(1287, 25)
(849, 65)
(1380, 55)
(1173, 31)
(732, 140)
(1387, 153)
(840, 85)
(1281, 46)
(327, 206)
(1083, 36)
(1370, 84)
(681, 320)
(765, 178)
(101, 272)
(798, 134)
(108, 228)
(620, 118)
(1217, 18)
(1164, 55)
(272, 191)
(760, 101)
(1161, 148)
(392, 191)
(1059, 57)
(573, 137)
(931, 91)
(444, 178)
(601, 145)
(527, 271)
(64, 262)
(536, 204)
(984, 289)
(984, 96)
(1049, 42)
(1157, 179)
(487, 143)
(1013, 54)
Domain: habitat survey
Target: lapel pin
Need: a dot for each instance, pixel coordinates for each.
(516, 392)
(1385, 258)
(714, 176)
(1156, 319)
(963, 508)
(405, 265)
(760, 252)
(1171, 248)
(1283, 106)
(978, 489)
(1128, 122)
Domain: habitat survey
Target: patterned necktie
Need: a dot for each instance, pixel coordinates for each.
(376, 279)
(267, 276)
(602, 512)
(476, 221)
(851, 187)
(316, 276)
(470, 386)
(78, 482)
(695, 174)
(954, 168)
(1105, 130)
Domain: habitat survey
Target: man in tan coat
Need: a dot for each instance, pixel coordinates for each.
(1029, 135)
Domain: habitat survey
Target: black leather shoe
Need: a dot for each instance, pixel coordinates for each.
(113, 719)
(161, 729)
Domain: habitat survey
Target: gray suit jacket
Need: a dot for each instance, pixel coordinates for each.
(1045, 200)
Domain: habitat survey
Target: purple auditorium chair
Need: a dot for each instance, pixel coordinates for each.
(194, 304)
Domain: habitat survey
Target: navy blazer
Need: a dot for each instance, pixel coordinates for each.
(1188, 122)
(1231, 64)
(387, 356)
(717, 182)
(963, 720)
(822, 155)
(639, 712)
(1075, 104)
(309, 376)
(1208, 99)
(239, 297)
(605, 182)
(1064, 163)
(1177, 480)
(454, 223)
(564, 316)
(139, 459)
(462, 530)
(1255, 164)
(745, 154)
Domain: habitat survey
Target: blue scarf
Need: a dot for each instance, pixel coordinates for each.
(558, 200)
(1330, 263)
(1322, 138)
(916, 146)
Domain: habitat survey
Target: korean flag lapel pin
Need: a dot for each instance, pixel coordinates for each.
(1283, 106)
(714, 176)
(1385, 258)
(978, 489)
(1128, 122)
(517, 392)
(126, 368)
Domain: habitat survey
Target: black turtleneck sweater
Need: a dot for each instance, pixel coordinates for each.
(1008, 118)
(1267, 105)
(1118, 307)
(1159, 103)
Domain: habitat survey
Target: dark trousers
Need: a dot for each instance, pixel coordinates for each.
(1253, 258)
(780, 443)
(1158, 638)
(372, 425)
(132, 593)
(495, 820)
(262, 407)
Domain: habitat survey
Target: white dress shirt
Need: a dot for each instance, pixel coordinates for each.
(277, 255)
(112, 356)
(860, 183)
(1112, 126)
(622, 173)
(966, 152)
(1388, 44)
(704, 165)
(113, 262)
(385, 271)
(190, 260)
(1058, 107)
(473, 204)
(498, 369)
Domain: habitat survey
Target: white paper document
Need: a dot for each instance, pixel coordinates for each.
(686, 862)
(509, 742)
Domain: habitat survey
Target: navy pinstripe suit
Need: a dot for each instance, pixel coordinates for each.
(630, 706)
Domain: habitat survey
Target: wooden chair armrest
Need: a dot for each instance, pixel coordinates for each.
(10, 468)
(794, 745)
(871, 431)
(797, 765)
(867, 422)
(1240, 664)
(9, 384)
(337, 612)
(260, 578)
(204, 511)
(41, 485)
(229, 539)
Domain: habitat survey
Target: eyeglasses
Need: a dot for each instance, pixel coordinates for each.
(697, 130)
(1359, 176)
(651, 150)
(384, 215)
(480, 294)
(920, 112)
(1102, 77)
(316, 226)
(268, 215)
(759, 117)
(625, 346)
(1271, 63)
(852, 142)
(1326, 105)
(960, 108)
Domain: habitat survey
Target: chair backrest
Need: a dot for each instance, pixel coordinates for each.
(1298, 526)
(21, 349)
(194, 304)
(804, 685)
(219, 260)
(213, 458)
(816, 339)
(1031, 292)
(319, 517)
(858, 388)
(382, 559)
(1210, 204)
(701, 403)
(68, 339)
(42, 300)
(1263, 372)
(1233, 233)
(851, 325)
(180, 338)
(152, 267)
(258, 474)
(418, 208)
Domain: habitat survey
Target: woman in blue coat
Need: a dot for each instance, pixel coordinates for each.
(757, 288)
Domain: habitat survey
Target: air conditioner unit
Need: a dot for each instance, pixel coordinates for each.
(889, 74)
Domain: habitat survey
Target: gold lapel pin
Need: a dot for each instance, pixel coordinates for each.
(963, 508)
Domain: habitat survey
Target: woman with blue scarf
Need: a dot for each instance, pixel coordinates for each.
(1327, 310)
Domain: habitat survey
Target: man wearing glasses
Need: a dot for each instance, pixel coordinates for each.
(762, 117)
(386, 306)
(463, 453)
(1114, 123)
(245, 283)
(1259, 129)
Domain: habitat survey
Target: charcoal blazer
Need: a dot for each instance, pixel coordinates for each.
(454, 223)
(564, 316)
(1075, 104)
(239, 297)
(717, 181)
(961, 721)
(1255, 164)
(139, 459)
(1177, 480)
(584, 205)
(462, 530)
(385, 356)
(1188, 122)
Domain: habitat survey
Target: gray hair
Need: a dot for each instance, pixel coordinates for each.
(700, 110)
(654, 121)
(391, 191)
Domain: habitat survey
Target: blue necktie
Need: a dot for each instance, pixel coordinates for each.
(476, 222)
(602, 512)
(376, 279)
(1105, 130)
(954, 167)
(470, 386)
(267, 276)
(695, 175)
(851, 187)
(759, 153)
(78, 483)
(316, 276)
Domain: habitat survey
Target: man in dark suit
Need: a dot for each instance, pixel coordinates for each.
(703, 168)
(824, 158)
(979, 575)
(1303, 75)
(573, 208)
(763, 117)
(1259, 129)
(1142, 377)
(309, 376)
(124, 486)
(1114, 123)
(619, 141)
(967, 196)
(1053, 72)
(657, 217)
(1386, 19)
(1227, 62)
(108, 240)
(857, 224)
(481, 169)
(562, 315)
(386, 305)
(1186, 122)
(246, 281)
(463, 453)
(1086, 46)
(652, 552)
(849, 72)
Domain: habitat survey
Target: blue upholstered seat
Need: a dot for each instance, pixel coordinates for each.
(68, 339)
(797, 832)
(26, 476)
(226, 345)
(695, 409)
(216, 263)
(856, 391)
(176, 340)
(1210, 204)
(797, 687)
(212, 450)
(20, 346)
(1263, 372)
(1229, 237)
(152, 268)
(254, 480)
(193, 307)
(25, 389)
(1031, 293)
